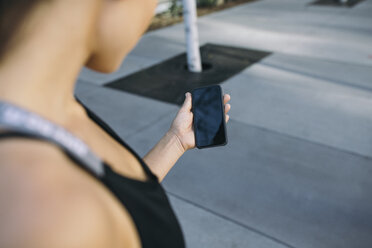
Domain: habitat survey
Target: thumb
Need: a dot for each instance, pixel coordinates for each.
(187, 103)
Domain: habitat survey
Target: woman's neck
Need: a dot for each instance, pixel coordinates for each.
(41, 72)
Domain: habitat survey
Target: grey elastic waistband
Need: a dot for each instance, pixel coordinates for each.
(16, 118)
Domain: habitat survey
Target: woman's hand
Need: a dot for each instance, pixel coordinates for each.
(182, 126)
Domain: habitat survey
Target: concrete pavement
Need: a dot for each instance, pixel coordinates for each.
(298, 166)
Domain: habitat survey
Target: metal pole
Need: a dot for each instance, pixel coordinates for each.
(192, 37)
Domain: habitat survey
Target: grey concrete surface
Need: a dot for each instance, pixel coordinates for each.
(300, 193)
(127, 114)
(324, 111)
(202, 228)
(297, 169)
(346, 74)
(291, 27)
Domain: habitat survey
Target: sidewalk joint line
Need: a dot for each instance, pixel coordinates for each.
(231, 220)
(328, 80)
(305, 140)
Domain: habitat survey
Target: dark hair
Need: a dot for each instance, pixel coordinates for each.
(12, 15)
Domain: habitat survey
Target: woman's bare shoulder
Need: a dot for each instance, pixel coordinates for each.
(46, 201)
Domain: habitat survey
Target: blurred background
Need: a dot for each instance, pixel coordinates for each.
(298, 166)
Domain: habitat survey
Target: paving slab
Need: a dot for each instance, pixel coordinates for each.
(348, 74)
(127, 114)
(363, 9)
(142, 143)
(205, 229)
(300, 193)
(306, 107)
(350, 23)
(279, 27)
(304, 20)
(281, 34)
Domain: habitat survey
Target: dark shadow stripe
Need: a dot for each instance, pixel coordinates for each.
(336, 3)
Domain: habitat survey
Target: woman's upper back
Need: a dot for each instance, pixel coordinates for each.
(140, 206)
(47, 201)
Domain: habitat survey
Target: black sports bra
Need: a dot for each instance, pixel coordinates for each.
(145, 201)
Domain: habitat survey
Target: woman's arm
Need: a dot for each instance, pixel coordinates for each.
(176, 141)
(164, 155)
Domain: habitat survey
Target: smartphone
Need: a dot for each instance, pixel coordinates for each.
(209, 117)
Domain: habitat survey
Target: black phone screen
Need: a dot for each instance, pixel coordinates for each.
(209, 117)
